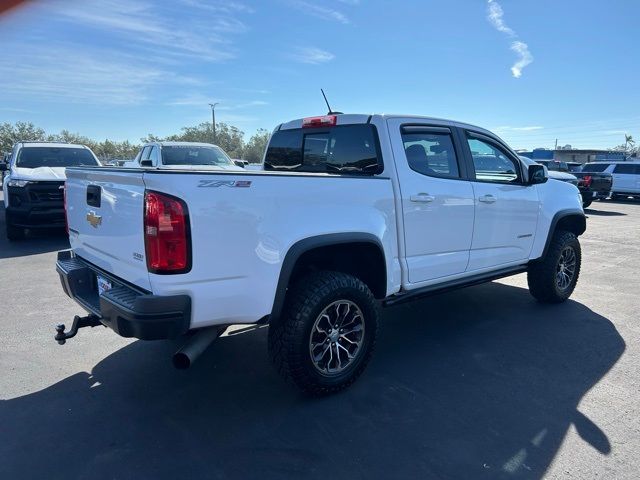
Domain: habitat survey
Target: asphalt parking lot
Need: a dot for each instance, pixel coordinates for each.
(478, 383)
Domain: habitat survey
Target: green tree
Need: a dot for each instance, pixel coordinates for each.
(255, 147)
(19, 132)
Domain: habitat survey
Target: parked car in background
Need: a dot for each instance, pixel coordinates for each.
(183, 156)
(592, 185)
(351, 211)
(34, 184)
(554, 174)
(3, 171)
(626, 177)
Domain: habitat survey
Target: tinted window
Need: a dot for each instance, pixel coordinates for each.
(491, 163)
(431, 154)
(194, 155)
(595, 167)
(627, 168)
(34, 157)
(343, 149)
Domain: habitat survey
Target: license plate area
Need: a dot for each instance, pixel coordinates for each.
(104, 284)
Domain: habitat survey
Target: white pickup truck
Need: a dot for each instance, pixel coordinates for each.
(352, 212)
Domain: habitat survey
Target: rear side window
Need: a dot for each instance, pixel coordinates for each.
(627, 168)
(595, 167)
(431, 153)
(347, 149)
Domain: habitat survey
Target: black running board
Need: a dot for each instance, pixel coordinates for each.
(411, 295)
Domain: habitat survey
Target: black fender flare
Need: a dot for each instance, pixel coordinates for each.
(302, 246)
(562, 214)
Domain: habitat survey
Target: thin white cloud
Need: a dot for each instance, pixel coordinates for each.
(524, 58)
(495, 15)
(97, 77)
(142, 23)
(312, 55)
(318, 11)
(219, 6)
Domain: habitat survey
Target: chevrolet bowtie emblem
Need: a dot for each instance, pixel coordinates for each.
(94, 219)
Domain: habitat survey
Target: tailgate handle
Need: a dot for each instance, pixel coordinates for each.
(94, 194)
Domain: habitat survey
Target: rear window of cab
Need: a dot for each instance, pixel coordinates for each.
(343, 149)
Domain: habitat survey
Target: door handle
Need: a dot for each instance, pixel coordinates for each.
(487, 199)
(422, 198)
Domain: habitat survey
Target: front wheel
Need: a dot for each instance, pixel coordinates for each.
(327, 333)
(553, 278)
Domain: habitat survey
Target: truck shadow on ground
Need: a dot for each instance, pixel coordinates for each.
(37, 241)
(483, 382)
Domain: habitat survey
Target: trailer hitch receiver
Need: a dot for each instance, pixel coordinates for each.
(78, 322)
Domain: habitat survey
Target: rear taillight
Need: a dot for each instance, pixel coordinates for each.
(586, 180)
(166, 234)
(66, 215)
(323, 121)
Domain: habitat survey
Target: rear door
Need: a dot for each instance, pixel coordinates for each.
(105, 210)
(506, 212)
(437, 200)
(626, 178)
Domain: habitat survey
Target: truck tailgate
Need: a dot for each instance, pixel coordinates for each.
(105, 210)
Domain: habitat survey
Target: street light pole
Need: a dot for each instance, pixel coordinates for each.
(213, 119)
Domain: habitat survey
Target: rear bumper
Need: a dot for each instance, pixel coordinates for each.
(128, 311)
(591, 195)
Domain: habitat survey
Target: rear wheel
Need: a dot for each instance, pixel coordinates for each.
(327, 333)
(553, 278)
(586, 203)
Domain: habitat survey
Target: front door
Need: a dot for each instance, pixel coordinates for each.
(437, 200)
(506, 213)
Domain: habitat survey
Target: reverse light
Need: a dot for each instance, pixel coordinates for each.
(166, 234)
(323, 121)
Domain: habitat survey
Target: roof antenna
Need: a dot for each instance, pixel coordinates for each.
(330, 112)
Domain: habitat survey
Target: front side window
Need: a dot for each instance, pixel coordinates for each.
(491, 163)
(35, 157)
(194, 155)
(347, 149)
(431, 154)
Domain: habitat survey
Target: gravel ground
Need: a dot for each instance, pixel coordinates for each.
(478, 383)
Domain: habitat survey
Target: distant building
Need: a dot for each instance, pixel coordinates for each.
(575, 155)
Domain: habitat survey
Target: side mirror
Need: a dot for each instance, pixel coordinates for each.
(537, 174)
(239, 163)
(4, 167)
(146, 163)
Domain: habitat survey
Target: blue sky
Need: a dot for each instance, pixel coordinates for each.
(120, 69)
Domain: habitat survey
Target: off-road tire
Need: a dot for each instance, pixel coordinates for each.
(289, 335)
(542, 274)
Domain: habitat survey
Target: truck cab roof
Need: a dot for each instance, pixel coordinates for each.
(356, 118)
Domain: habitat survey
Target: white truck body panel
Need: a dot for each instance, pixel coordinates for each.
(111, 244)
(240, 236)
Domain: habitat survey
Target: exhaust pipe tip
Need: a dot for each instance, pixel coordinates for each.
(195, 346)
(181, 361)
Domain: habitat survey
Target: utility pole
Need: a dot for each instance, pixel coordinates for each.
(556, 147)
(213, 120)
